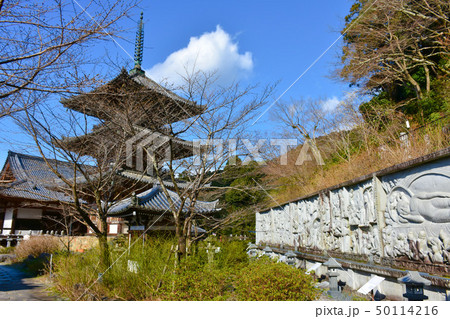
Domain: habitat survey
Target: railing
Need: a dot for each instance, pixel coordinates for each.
(8, 240)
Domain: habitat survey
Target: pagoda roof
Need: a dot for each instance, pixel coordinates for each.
(142, 177)
(155, 201)
(135, 96)
(105, 135)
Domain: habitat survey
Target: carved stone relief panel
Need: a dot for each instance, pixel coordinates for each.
(415, 224)
(418, 213)
(325, 212)
(280, 221)
(264, 233)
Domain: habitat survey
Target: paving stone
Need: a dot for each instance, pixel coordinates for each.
(16, 285)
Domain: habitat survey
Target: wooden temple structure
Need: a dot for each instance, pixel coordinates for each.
(131, 110)
(135, 111)
(30, 198)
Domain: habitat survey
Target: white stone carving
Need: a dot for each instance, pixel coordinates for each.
(406, 214)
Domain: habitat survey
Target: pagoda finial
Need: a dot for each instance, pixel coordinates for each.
(139, 47)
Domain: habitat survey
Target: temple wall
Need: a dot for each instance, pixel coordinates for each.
(402, 214)
(8, 221)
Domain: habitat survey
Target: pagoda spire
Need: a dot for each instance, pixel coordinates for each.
(139, 48)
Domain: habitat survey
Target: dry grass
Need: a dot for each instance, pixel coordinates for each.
(37, 245)
(293, 181)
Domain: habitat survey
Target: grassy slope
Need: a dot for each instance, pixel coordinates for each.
(292, 181)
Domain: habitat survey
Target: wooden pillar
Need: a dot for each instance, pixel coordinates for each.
(13, 226)
(2, 218)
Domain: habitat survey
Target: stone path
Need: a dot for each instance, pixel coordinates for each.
(16, 285)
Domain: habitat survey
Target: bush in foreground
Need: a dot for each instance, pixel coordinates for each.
(229, 276)
(266, 280)
(35, 246)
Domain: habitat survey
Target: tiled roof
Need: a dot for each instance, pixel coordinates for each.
(141, 177)
(155, 201)
(152, 85)
(34, 179)
(180, 108)
(90, 143)
(29, 190)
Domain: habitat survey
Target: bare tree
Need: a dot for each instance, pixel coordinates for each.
(97, 150)
(387, 42)
(218, 133)
(45, 45)
(305, 118)
(67, 219)
(90, 182)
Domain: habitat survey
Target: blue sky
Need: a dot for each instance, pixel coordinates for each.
(254, 41)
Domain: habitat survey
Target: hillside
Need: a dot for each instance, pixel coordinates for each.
(348, 155)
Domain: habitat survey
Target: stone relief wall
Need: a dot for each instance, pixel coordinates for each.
(403, 215)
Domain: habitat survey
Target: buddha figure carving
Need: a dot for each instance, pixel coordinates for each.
(426, 198)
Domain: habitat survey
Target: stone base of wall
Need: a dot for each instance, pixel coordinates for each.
(356, 274)
(390, 287)
(80, 243)
(437, 269)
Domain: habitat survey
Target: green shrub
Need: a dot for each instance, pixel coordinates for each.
(265, 280)
(230, 276)
(35, 267)
(231, 254)
(6, 250)
(194, 280)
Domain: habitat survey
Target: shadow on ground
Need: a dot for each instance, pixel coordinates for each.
(15, 284)
(11, 278)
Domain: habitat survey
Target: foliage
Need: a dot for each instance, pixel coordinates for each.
(242, 181)
(398, 52)
(231, 253)
(35, 266)
(239, 197)
(6, 250)
(265, 280)
(195, 277)
(188, 283)
(360, 151)
(36, 246)
(238, 187)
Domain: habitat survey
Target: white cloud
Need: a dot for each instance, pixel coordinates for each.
(331, 104)
(211, 52)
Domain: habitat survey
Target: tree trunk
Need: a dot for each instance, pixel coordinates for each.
(103, 244)
(415, 85)
(427, 77)
(181, 239)
(105, 257)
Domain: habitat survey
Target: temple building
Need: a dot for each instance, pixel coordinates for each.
(146, 209)
(135, 111)
(31, 198)
(130, 107)
(133, 114)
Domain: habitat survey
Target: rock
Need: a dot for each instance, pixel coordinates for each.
(4, 258)
(322, 285)
(44, 256)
